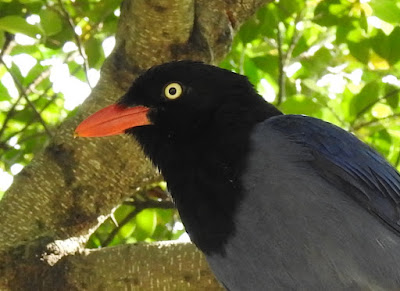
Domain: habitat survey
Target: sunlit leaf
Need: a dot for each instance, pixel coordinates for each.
(392, 94)
(2, 38)
(17, 24)
(146, 222)
(300, 104)
(50, 22)
(323, 15)
(387, 10)
(290, 7)
(360, 50)
(4, 93)
(95, 52)
(365, 99)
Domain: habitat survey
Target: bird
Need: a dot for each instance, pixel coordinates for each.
(274, 201)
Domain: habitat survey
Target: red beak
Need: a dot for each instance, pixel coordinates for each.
(112, 120)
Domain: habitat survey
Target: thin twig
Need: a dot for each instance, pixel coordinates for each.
(333, 112)
(22, 140)
(284, 58)
(10, 113)
(375, 120)
(8, 44)
(139, 206)
(77, 40)
(293, 41)
(370, 105)
(397, 163)
(30, 122)
(25, 96)
(281, 77)
(313, 48)
(43, 75)
(6, 47)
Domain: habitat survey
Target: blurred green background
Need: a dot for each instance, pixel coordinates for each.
(335, 60)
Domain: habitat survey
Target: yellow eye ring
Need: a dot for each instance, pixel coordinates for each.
(173, 91)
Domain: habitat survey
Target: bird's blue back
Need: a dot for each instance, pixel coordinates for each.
(319, 212)
(355, 167)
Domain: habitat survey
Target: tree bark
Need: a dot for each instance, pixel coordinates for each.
(58, 200)
(159, 266)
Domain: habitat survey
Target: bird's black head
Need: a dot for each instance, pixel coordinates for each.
(193, 120)
(181, 97)
(186, 96)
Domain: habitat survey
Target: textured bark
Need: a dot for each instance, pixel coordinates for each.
(161, 266)
(59, 199)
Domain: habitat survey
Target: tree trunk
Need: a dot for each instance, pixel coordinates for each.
(58, 200)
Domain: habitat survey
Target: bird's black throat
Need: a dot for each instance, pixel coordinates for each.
(203, 168)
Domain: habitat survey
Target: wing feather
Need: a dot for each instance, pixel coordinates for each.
(346, 162)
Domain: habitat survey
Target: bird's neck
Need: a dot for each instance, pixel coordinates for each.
(203, 172)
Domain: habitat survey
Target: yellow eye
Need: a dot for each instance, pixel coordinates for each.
(173, 91)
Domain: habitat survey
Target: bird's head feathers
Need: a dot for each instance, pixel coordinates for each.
(178, 96)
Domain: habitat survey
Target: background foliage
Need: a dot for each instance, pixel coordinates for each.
(336, 60)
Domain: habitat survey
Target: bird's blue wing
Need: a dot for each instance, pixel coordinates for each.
(347, 163)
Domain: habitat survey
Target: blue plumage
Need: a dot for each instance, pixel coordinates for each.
(366, 175)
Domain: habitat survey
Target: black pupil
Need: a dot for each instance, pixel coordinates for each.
(172, 91)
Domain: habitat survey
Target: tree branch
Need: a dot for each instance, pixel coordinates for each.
(166, 266)
(74, 183)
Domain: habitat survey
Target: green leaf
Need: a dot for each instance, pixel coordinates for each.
(300, 47)
(269, 19)
(290, 7)
(57, 40)
(379, 44)
(2, 38)
(250, 70)
(127, 230)
(300, 104)
(359, 50)
(268, 64)
(17, 24)
(121, 212)
(382, 141)
(4, 96)
(342, 30)
(363, 21)
(146, 222)
(368, 95)
(50, 22)
(323, 15)
(102, 9)
(29, 1)
(387, 10)
(94, 52)
(394, 44)
(249, 31)
(388, 46)
(393, 95)
(164, 215)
